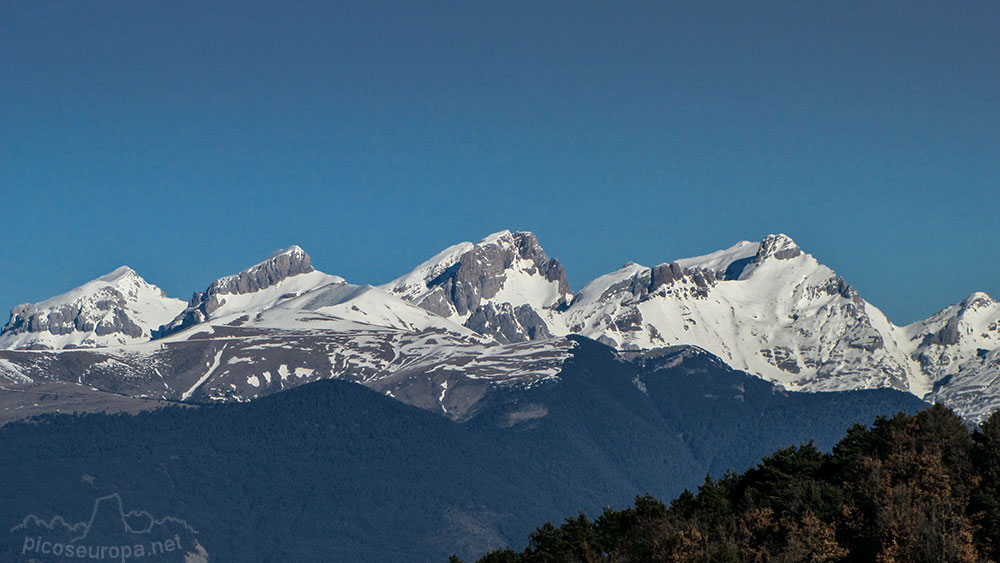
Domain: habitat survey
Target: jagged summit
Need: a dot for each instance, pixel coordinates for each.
(978, 299)
(413, 285)
(781, 246)
(973, 322)
(278, 266)
(504, 286)
(285, 273)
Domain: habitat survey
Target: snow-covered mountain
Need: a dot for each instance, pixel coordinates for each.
(284, 292)
(498, 312)
(118, 308)
(948, 339)
(959, 349)
(768, 308)
(283, 275)
(765, 307)
(504, 286)
(281, 323)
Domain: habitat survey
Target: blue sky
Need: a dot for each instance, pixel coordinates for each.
(190, 139)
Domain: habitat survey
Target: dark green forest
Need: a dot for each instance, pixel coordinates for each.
(909, 488)
(334, 471)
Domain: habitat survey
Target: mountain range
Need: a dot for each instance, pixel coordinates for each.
(478, 317)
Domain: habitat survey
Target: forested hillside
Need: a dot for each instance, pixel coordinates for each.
(334, 471)
(910, 488)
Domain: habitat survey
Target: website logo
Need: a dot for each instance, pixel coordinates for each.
(110, 534)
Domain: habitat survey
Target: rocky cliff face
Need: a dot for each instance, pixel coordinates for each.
(276, 268)
(68, 318)
(504, 286)
(507, 323)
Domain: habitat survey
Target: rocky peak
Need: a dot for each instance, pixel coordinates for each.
(978, 300)
(777, 247)
(484, 269)
(529, 249)
(477, 273)
(117, 308)
(780, 246)
(504, 285)
(275, 268)
(977, 314)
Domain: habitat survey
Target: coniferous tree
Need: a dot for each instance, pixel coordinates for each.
(918, 488)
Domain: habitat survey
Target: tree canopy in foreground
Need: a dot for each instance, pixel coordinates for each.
(911, 488)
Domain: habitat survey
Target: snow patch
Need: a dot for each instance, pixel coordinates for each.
(204, 378)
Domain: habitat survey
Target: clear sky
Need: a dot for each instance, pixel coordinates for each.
(191, 139)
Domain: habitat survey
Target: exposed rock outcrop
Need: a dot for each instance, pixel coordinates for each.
(274, 269)
(117, 308)
(465, 282)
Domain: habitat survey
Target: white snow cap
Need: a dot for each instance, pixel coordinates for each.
(294, 249)
(721, 259)
(496, 237)
(117, 274)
